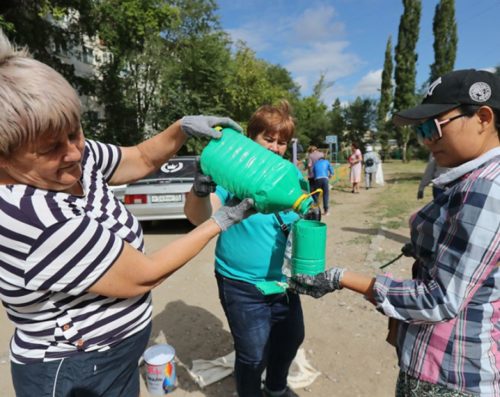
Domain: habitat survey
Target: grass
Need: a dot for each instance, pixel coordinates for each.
(383, 256)
(360, 240)
(395, 203)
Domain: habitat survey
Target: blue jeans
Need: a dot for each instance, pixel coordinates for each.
(267, 332)
(322, 183)
(112, 373)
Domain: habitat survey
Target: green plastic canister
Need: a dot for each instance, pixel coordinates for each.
(248, 170)
(308, 247)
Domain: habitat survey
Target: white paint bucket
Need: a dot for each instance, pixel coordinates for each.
(160, 369)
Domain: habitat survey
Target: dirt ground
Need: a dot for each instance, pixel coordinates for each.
(345, 336)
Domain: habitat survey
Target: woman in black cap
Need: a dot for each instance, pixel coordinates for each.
(448, 314)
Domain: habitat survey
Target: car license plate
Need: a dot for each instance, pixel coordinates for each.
(166, 198)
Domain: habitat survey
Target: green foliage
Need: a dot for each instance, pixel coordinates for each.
(281, 77)
(337, 122)
(168, 61)
(126, 25)
(359, 117)
(248, 84)
(445, 39)
(48, 28)
(384, 126)
(321, 86)
(406, 59)
(312, 121)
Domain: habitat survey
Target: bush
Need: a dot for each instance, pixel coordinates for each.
(418, 153)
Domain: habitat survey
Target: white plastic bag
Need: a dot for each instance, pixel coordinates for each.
(379, 175)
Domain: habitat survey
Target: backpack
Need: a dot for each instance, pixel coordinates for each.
(369, 162)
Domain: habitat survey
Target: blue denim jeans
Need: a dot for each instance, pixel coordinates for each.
(322, 183)
(267, 332)
(112, 373)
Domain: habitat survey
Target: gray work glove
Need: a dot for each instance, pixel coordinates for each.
(233, 212)
(203, 184)
(318, 285)
(420, 195)
(203, 126)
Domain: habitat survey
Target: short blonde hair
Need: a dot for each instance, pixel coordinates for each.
(270, 118)
(34, 99)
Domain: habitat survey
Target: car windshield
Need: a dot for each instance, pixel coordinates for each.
(180, 168)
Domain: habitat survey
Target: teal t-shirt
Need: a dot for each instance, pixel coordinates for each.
(252, 250)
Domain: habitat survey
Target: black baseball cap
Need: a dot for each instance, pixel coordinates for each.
(461, 87)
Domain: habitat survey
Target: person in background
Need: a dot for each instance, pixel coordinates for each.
(267, 329)
(313, 155)
(323, 171)
(355, 162)
(371, 162)
(74, 278)
(449, 311)
(432, 171)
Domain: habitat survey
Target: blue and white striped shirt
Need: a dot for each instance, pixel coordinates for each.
(53, 247)
(450, 310)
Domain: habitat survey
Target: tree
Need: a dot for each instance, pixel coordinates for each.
(337, 122)
(195, 84)
(359, 117)
(283, 81)
(405, 72)
(384, 105)
(131, 31)
(168, 61)
(313, 123)
(249, 86)
(321, 86)
(444, 27)
(49, 28)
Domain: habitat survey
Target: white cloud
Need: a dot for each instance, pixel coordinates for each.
(334, 92)
(369, 84)
(316, 24)
(252, 37)
(303, 82)
(309, 45)
(329, 59)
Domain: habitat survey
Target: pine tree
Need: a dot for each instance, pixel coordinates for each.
(406, 59)
(384, 104)
(445, 39)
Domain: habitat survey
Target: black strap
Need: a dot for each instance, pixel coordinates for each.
(283, 226)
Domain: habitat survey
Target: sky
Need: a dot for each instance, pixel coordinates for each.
(346, 39)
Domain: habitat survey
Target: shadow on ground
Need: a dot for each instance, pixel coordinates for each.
(403, 177)
(195, 333)
(374, 231)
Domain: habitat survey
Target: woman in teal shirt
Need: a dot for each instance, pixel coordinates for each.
(267, 329)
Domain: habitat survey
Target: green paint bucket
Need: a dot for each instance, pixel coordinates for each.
(309, 247)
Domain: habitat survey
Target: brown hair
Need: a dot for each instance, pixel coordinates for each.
(269, 118)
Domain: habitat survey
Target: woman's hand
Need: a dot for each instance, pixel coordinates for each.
(203, 184)
(233, 212)
(319, 284)
(203, 126)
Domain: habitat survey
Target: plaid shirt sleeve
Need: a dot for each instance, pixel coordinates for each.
(457, 241)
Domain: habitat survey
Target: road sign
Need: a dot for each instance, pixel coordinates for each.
(331, 139)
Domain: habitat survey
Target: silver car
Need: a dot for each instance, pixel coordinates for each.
(162, 194)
